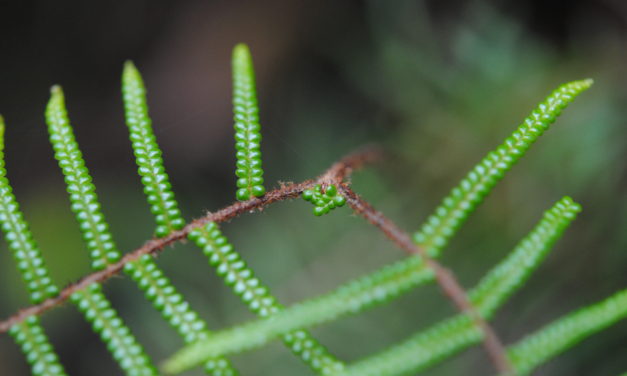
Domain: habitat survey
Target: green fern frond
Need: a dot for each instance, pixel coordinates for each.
(420, 351)
(565, 332)
(20, 240)
(324, 201)
(28, 334)
(34, 343)
(314, 354)
(247, 134)
(394, 280)
(428, 347)
(249, 288)
(85, 205)
(120, 341)
(463, 199)
(352, 298)
(100, 242)
(512, 273)
(157, 186)
(92, 301)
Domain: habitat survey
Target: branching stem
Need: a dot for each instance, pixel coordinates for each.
(336, 174)
(444, 277)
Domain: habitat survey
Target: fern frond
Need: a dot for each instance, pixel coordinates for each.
(120, 341)
(38, 350)
(85, 205)
(249, 288)
(463, 199)
(427, 348)
(565, 332)
(28, 334)
(247, 134)
(92, 301)
(148, 155)
(324, 201)
(100, 242)
(420, 351)
(352, 298)
(25, 251)
(512, 273)
(314, 354)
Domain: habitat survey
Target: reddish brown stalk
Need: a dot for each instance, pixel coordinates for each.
(445, 278)
(336, 174)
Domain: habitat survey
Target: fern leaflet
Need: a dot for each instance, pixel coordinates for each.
(91, 301)
(247, 135)
(463, 199)
(28, 334)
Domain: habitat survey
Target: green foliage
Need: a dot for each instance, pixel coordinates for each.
(92, 302)
(435, 344)
(25, 251)
(85, 205)
(39, 353)
(463, 199)
(256, 296)
(247, 134)
(157, 287)
(324, 200)
(120, 342)
(355, 297)
(148, 155)
(103, 250)
(512, 273)
(351, 298)
(567, 331)
(420, 351)
(29, 334)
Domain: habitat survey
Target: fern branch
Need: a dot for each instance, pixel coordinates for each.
(120, 341)
(99, 240)
(445, 278)
(253, 293)
(260, 301)
(37, 348)
(28, 334)
(351, 298)
(247, 135)
(428, 347)
(463, 199)
(157, 186)
(393, 280)
(560, 335)
(511, 274)
(339, 170)
(91, 301)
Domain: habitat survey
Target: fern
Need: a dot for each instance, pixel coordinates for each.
(562, 334)
(355, 297)
(226, 261)
(165, 297)
(463, 199)
(428, 347)
(29, 334)
(247, 135)
(148, 155)
(92, 302)
(420, 351)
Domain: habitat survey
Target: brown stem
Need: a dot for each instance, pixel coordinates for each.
(445, 278)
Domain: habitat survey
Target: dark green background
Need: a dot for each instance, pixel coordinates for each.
(438, 84)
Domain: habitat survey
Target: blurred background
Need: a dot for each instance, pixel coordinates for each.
(438, 84)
